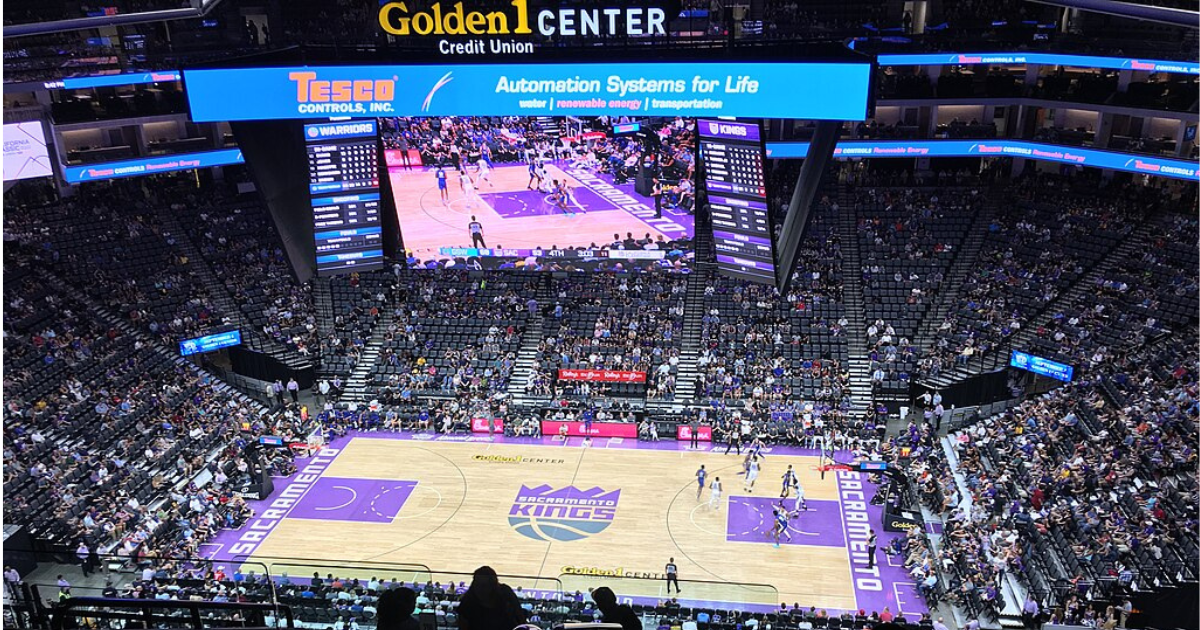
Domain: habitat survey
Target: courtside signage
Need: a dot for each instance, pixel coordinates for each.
(652, 89)
(1094, 158)
(1047, 59)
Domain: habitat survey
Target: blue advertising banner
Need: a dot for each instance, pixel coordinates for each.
(815, 91)
(208, 343)
(1044, 367)
(1075, 61)
(151, 165)
(112, 80)
(1094, 158)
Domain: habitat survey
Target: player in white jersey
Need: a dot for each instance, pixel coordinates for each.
(799, 503)
(468, 187)
(714, 494)
(485, 172)
(751, 474)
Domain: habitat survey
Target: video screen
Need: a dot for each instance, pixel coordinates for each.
(544, 193)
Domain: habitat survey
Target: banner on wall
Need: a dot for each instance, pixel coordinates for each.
(764, 90)
(1080, 156)
(602, 376)
(487, 425)
(598, 429)
(25, 153)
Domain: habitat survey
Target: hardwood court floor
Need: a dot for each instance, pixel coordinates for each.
(456, 518)
(428, 224)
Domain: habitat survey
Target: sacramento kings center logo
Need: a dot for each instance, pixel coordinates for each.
(714, 128)
(543, 513)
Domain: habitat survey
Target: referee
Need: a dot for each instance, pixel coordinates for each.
(672, 576)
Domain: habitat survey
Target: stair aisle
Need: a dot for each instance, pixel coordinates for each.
(693, 324)
(535, 329)
(357, 384)
(852, 298)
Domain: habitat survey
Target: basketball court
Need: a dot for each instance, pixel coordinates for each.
(423, 507)
(515, 217)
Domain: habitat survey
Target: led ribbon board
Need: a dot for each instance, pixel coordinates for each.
(1046, 59)
(114, 80)
(1044, 367)
(1094, 158)
(151, 165)
(209, 343)
(814, 91)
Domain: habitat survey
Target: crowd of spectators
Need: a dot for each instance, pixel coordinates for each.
(1096, 478)
(237, 239)
(105, 435)
(614, 322)
(907, 240)
(1037, 246)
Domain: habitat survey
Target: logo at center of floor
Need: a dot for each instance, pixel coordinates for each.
(543, 513)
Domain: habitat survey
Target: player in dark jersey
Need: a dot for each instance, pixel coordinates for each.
(781, 525)
(789, 480)
(441, 181)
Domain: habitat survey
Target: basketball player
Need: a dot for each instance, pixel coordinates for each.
(542, 177)
(476, 229)
(781, 526)
(714, 494)
(751, 474)
(789, 480)
(441, 181)
(533, 176)
(468, 189)
(485, 172)
(560, 190)
(800, 503)
(700, 476)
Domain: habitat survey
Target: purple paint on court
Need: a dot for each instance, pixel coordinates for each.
(529, 203)
(522, 203)
(750, 520)
(356, 500)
